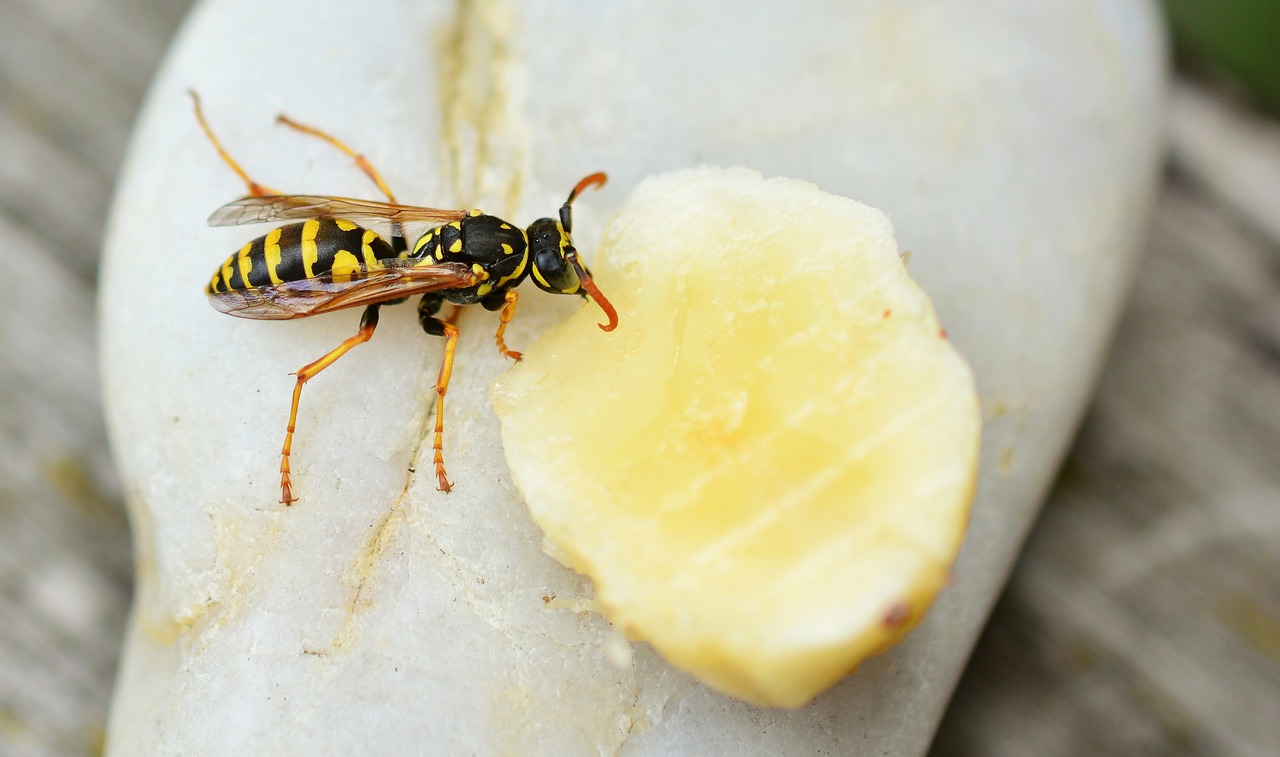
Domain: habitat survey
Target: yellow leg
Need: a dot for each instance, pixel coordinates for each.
(442, 386)
(255, 189)
(508, 312)
(360, 160)
(368, 323)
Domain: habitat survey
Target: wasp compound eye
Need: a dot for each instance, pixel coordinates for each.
(552, 274)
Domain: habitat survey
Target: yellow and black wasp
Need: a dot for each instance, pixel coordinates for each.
(326, 261)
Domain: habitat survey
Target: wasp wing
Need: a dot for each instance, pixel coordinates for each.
(248, 210)
(327, 292)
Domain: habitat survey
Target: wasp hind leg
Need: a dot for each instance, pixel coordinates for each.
(368, 322)
(255, 189)
(361, 161)
(427, 309)
(398, 242)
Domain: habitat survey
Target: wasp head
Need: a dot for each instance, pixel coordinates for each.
(556, 268)
(549, 248)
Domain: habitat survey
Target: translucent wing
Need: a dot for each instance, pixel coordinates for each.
(327, 292)
(299, 207)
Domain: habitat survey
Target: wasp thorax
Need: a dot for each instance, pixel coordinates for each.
(548, 243)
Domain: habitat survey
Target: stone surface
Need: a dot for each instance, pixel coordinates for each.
(1016, 149)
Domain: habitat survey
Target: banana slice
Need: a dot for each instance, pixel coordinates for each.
(767, 468)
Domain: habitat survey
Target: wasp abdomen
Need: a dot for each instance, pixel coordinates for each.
(302, 251)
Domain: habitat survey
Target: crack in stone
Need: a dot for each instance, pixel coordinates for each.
(487, 612)
(231, 579)
(630, 712)
(485, 152)
(363, 569)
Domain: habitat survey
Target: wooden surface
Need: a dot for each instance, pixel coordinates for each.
(72, 73)
(1144, 617)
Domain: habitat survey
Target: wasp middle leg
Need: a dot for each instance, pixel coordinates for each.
(368, 322)
(427, 309)
(506, 302)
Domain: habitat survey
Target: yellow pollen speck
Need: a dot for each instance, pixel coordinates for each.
(456, 246)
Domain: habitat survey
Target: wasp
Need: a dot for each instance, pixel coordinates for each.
(325, 260)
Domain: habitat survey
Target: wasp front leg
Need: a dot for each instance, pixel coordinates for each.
(507, 303)
(427, 309)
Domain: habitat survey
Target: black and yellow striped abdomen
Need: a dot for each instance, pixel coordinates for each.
(302, 251)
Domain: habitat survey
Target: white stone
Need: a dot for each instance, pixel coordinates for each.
(1015, 145)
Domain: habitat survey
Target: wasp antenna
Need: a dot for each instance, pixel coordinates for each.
(585, 279)
(594, 180)
(566, 210)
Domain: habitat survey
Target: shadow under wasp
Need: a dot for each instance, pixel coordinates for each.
(326, 261)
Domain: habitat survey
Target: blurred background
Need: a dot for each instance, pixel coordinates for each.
(1143, 616)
